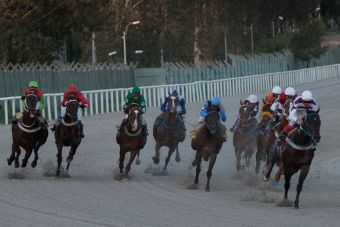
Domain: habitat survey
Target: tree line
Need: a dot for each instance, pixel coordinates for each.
(177, 30)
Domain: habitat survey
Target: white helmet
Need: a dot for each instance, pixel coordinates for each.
(290, 91)
(307, 96)
(276, 90)
(252, 98)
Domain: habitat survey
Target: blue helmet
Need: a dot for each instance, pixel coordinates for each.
(174, 93)
(216, 101)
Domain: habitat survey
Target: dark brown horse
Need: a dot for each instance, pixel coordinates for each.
(130, 138)
(28, 134)
(298, 152)
(263, 145)
(208, 142)
(67, 133)
(168, 131)
(245, 137)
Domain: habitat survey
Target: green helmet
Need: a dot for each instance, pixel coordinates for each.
(33, 84)
(135, 91)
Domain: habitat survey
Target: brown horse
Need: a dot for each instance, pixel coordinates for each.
(28, 134)
(130, 138)
(245, 137)
(271, 141)
(168, 131)
(207, 142)
(67, 133)
(298, 152)
(263, 145)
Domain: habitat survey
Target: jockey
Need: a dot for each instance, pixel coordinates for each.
(181, 110)
(214, 102)
(304, 102)
(278, 106)
(253, 102)
(135, 97)
(272, 96)
(34, 89)
(73, 90)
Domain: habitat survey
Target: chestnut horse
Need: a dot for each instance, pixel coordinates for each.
(263, 145)
(130, 138)
(298, 152)
(245, 136)
(207, 142)
(168, 130)
(28, 134)
(67, 133)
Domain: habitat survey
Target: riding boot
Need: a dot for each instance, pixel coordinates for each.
(145, 130)
(14, 120)
(232, 129)
(81, 129)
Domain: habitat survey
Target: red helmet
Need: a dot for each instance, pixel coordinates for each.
(72, 87)
(282, 98)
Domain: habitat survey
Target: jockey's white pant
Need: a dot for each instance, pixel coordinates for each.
(63, 112)
(37, 106)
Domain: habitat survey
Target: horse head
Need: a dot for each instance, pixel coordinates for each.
(288, 105)
(134, 117)
(311, 125)
(212, 120)
(31, 103)
(245, 115)
(172, 104)
(72, 106)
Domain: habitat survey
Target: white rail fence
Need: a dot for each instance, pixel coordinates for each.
(107, 101)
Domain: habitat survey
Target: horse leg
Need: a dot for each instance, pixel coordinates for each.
(178, 155)
(70, 155)
(156, 157)
(288, 176)
(27, 156)
(238, 152)
(36, 157)
(15, 148)
(167, 160)
(209, 173)
(128, 166)
(198, 161)
(59, 158)
(303, 174)
(272, 159)
(258, 159)
(121, 159)
(138, 160)
(279, 173)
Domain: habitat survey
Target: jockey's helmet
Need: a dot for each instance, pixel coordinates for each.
(72, 88)
(216, 101)
(135, 91)
(33, 84)
(290, 91)
(276, 90)
(174, 93)
(252, 99)
(307, 96)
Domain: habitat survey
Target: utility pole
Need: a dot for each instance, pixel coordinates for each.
(225, 46)
(94, 59)
(273, 33)
(252, 39)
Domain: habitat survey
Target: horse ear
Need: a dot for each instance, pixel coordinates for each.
(263, 100)
(318, 110)
(241, 102)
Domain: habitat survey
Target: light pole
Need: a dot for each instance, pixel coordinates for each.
(124, 37)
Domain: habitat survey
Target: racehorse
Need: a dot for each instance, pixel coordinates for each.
(263, 145)
(207, 142)
(245, 136)
(130, 138)
(298, 151)
(168, 131)
(28, 134)
(274, 134)
(67, 133)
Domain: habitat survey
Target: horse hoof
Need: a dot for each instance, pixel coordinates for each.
(296, 205)
(57, 173)
(24, 164)
(207, 189)
(177, 159)
(34, 164)
(138, 162)
(155, 160)
(9, 161)
(16, 164)
(265, 179)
